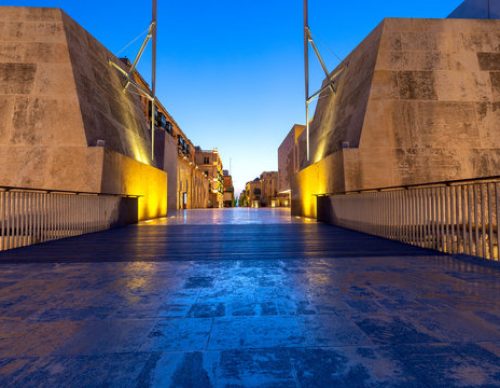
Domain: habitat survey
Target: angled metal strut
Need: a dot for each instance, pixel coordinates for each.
(308, 40)
(150, 95)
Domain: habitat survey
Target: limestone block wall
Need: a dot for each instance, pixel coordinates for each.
(58, 96)
(418, 102)
(42, 137)
(121, 174)
(433, 113)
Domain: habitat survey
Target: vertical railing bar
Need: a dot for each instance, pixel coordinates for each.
(463, 199)
(470, 219)
(15, 219)
(447, 218)
(453, 214)
(404, 208)
(28, 218)
(441, 222)
(419, 218)
(8, 227)
(21, 219)
(48, 216)
(476, 220)
(483, 221)
(497, 191)
(2, 220)
(456, 219)
(38, 208)
(45, 218)
(64, 212)
(435, 239)
(491, 253)
(389, 214)
(22, 216)
(428, 212)
(421, 211)
(414, 217)
(408, 215)
(463, 211)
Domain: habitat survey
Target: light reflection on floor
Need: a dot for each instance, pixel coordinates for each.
(245, 298)
(229, 216)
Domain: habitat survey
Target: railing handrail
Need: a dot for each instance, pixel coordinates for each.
(57, 191)
(490, 179)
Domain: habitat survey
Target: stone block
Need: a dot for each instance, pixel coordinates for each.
(417, 85)
(385, 85)
(42, 52)
(6, 109)
(489, 61)
(462, 86)
(488, 119)
(38, 121)
(11, 52)
(54, 79)
(17, 78)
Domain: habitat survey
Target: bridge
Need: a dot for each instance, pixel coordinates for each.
(245, 297)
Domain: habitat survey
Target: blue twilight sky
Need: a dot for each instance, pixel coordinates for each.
(231, 71)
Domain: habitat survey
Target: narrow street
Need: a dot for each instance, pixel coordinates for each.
(245, 297)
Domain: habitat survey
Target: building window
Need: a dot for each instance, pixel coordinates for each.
(206, 160)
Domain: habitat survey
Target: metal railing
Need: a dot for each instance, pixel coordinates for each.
(457, 218)
(33, 216)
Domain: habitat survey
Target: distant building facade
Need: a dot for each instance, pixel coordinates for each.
(210, 163)
(269, 183)
(288, 163)
(263, 192)
(253, 190)
(228, 189)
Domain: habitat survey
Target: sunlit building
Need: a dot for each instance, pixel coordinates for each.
(210, 163)
(228, 190)
(253, 190)
(269, 184)
(262, 191)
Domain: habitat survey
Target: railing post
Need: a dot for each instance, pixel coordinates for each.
(491, 253)
(2, 220)
(497, 191)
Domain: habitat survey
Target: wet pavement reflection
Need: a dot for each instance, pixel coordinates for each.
(245, 297)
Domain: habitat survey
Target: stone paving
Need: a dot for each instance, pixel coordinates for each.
(229, 298)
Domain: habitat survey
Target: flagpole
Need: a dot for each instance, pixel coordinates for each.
(154, 24)
(306, 71)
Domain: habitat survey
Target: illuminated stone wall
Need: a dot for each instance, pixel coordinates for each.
(288, 158)
(125, 175)
(419, 102)
(58, 97)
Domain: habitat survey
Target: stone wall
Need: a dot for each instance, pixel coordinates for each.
(58, 96)
(419, 102)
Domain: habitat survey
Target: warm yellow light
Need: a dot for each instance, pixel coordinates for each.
(147, 182)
